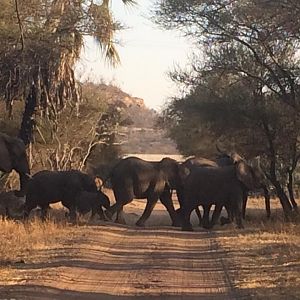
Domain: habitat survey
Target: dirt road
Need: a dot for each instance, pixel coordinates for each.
(110, 261)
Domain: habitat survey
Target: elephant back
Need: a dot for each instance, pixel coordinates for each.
(86, 182)
(199, 162)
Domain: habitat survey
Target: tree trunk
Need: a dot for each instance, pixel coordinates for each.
(291, 191)
(284, 200)
(26, 130)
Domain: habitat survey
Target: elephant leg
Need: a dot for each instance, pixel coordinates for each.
(94, 212)
(27, 209)
(100, 213)
(96, 209)
(229, 218)
(216, 214)
(229, 212)
(245, 199)
(180, 196)
(267, 201)
(123, 196)
(179, 212)
(120, 216)
(166, 200)
(72, 214)
(237, 210)
(268, 207)
(197, 210)
(44, 213)
(151, 202)
(119, 209)
(111, 211)
(186, 224)
(206, 210)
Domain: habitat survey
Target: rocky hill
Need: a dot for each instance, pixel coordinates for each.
(139, 132)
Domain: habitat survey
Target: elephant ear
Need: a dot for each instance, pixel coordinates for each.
(15, 146)
(99, 183)
(184, 172)
(245, 174)
(5, 159)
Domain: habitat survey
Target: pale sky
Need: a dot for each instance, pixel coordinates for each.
(147, 54)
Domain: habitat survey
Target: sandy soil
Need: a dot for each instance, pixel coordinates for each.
(109, 261)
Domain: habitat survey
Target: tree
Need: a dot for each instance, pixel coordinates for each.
(41, 41)
(244, 87)
(88, 141)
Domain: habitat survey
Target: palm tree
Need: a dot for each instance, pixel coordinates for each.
(41, 41)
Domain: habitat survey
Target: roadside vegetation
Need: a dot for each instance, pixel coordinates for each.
(263, 259)
(241, 88)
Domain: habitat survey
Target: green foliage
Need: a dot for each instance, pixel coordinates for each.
(41, 41)
(243, 90)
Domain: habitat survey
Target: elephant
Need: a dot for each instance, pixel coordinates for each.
(196, 162)
(223, 159)
(92, 201)
(13, 157)
(133, 177)
(222, 186)
(48, 187)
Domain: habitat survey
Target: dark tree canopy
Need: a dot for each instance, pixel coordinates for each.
(242, 86)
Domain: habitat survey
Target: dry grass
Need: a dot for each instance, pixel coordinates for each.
(263, 259)
(266, 254)
(22, 239)
(21, 242)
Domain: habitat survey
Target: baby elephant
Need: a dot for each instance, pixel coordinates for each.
(92, 201)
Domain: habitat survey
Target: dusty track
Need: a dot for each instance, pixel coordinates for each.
(111, 261)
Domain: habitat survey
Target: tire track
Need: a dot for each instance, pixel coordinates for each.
(112, 262)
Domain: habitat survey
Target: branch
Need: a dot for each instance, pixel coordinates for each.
(20, 24)
(90, 148)
(40, 133)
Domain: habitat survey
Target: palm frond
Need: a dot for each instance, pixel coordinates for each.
(129, 2)
(112, 54)
(104, 28)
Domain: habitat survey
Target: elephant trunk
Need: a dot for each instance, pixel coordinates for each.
(105, 202)
(24, 178)
(22, 167)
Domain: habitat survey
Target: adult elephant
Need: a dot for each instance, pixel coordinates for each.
(133, 178)
(222, 186)
(13, 157)
(222, 160)
(48, 187)
(200, 162)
